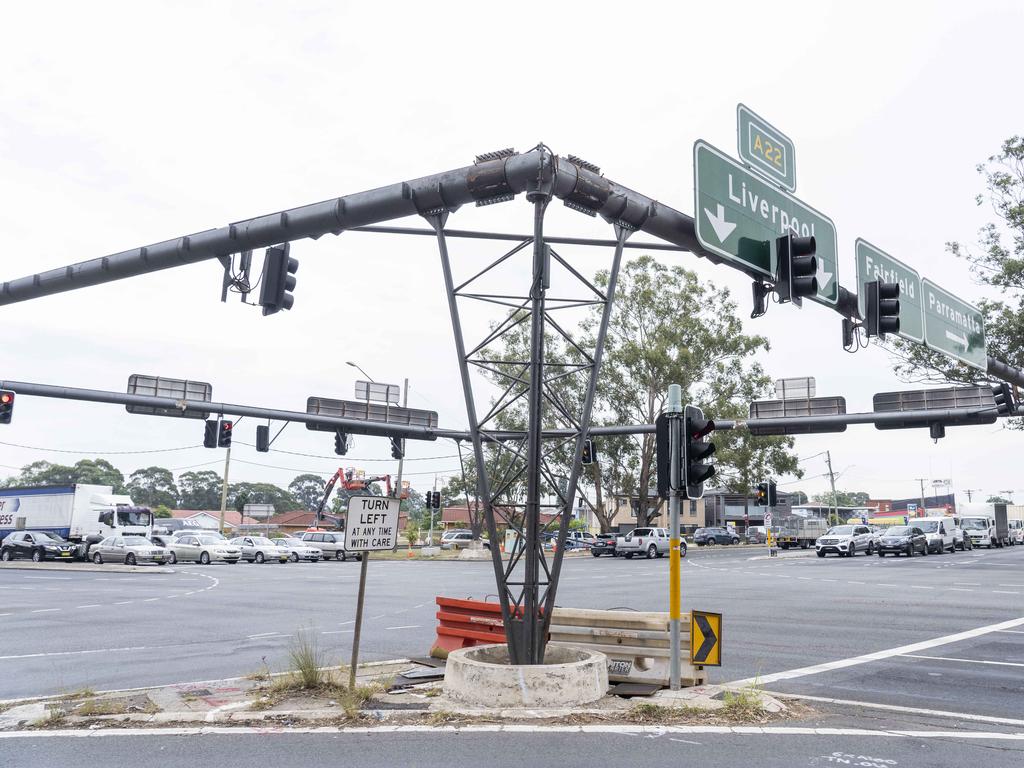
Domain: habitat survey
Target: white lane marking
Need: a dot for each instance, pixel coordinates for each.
(343, 623)
(5, 614)
(338, 632)
(879, 655)
(50, 578)
(125, 602)
(151, 599)
(1003, 592)
(1008, 631)
(381, 616)
(915, 586)
(1011, 585)
(631, 730)
(91, 605)
(262, 634)
(908, 710)
(45, 610)
(405, 626)
(212, 714)
(959, 589)
(965, 661)
(967, 583)
(72, 653)
(856, 582)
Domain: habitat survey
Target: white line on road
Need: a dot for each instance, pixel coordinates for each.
(1003, 592)
(90, 605)
(45, 610)
(405, 626)
(72, 653)
(338, 632)
(966, 661)
(262, 634)
(125, 602)
(959, 589)
(880, 655)
(1009, 631)
(908, 710)
(50, 578)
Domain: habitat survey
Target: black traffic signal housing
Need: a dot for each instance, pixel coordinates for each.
(761, 497)
(6, 406)
(1002, 393)
(433, 499)
(796, 275)
(210, 435)
(773, 494)
(340, 442)
(278, 279)
(663, 461)
(881, 308)
(224, 435)
(695, 450)
(589, 452)
(397, 451)
(263, 438)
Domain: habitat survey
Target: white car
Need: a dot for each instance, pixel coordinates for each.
(203, 549)
(300, 550)
(846, 541)
(259, 549)
(940, 533)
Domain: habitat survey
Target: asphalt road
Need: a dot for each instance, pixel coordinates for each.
(64, 631)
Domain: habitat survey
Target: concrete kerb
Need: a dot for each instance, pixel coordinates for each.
(79, 567)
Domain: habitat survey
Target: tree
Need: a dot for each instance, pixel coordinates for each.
(841, 499)
(153, 486)
(799, 497)
(997, 500)
(199, 490)
(414, 505)
(461, 492)
(240, 494)
(308, 489)
(161, 511)
(88, 471)
(995, 263)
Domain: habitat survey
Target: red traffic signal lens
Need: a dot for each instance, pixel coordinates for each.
(6, 398)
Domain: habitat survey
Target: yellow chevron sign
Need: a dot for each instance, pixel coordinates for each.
(705, 639)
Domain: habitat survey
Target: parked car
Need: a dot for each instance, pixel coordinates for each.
(939, 531)
(162, 540)
(1016, 531)
(331, 543)
(37, 546)
(604, 544)
(203, 549)
(650, 542)
(129, 550)
(456, 541)
(846, 541)
(200, 532)
(703, 537)
(757, 534)
(300, 550)
(902, 540)
(259, 549)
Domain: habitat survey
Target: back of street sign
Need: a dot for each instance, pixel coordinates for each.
(738, 214)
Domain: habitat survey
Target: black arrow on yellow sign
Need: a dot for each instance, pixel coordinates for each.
(705, 638)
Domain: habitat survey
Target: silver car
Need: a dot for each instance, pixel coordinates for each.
(331, 543)
(129, 550)
(203, 549)
(259, 549)
(300, 550)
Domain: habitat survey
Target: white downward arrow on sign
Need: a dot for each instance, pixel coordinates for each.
(824, 278)
(961, 340)
(722, 227)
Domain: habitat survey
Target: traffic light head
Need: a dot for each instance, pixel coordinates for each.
(224, 436)
(797, 269)
(263, 438)
(762, 495)
(1003, 395)
(773, 496)
(340, 442)
(210, 437)
(695, 450)
(435, 499)
(278, 279)
(6, 406)
(882, 308)
(589, 454)
(396, 448)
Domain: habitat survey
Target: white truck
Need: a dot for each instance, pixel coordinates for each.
(986, 524)
(82, 514)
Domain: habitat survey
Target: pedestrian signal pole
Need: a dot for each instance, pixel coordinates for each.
(676, 485)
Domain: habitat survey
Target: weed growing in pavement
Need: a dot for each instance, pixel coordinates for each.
(81, 693)
(307, 659)
(744, 705)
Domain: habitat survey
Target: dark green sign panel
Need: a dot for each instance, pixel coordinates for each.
(875, 264)
(738, 215)
(765, 148)
(953, 327)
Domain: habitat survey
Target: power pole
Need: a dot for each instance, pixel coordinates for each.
(224, 488)
(921, 481)
(832, 482)
(969, 491)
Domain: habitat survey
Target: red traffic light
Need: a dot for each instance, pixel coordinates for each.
(6, 397)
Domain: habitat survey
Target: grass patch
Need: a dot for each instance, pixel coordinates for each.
(81, 693)
(307, 659)
(100, 707)
(745, 705)
(294, 685)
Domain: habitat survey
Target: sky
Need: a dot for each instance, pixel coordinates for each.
(123, 124)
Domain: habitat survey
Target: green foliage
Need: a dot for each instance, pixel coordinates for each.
(577, 525)
(199, 490)
(161, 511)
(240, 494)
(308, 489)
(842, 499)
(152, 487)
(997, 262)
(89, 471)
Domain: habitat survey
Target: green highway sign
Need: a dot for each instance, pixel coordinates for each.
(738, 215)
(765, 148)
(875, 264)
(953, 327)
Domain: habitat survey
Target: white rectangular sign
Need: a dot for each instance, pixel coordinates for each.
(372, 523)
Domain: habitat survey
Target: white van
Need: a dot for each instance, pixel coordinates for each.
(941, 533)
(981, 529)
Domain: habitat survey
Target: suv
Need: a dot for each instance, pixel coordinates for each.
(652, 542)
(38, 545)
(331, 543)
(713, 536)
(846, 541)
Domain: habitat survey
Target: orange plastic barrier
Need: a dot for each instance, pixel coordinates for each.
(465, 623)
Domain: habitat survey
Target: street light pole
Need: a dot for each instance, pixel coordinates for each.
(356, 366)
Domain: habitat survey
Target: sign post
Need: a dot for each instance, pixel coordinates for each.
(768, 537)
(953, 327)
(739, 214)
(371, 526)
